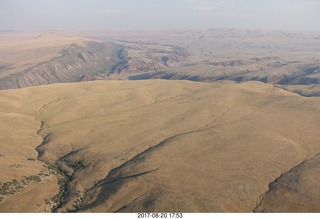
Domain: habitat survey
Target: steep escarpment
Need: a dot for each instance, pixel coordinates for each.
(76, 63)
(308, 75)
(212, 55)
(275, 72)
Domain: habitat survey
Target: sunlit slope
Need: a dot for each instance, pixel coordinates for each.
(31, 59)
(20, 51)
(155, 145)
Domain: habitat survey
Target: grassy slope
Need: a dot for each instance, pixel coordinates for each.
(23, 50)
(157, 145)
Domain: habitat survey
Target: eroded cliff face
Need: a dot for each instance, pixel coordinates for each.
(76, 63)
(93, 60)
(87, 60)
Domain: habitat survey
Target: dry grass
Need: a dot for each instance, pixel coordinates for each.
(156, 145)
(20, 51)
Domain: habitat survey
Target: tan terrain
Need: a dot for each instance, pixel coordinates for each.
(20, 51)
(156, 145)
(31, 59)
(270, 56)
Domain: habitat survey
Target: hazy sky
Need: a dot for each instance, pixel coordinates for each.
(159, 14)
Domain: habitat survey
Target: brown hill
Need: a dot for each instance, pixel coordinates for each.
(34, 59)
(278, 57)
(158, 145)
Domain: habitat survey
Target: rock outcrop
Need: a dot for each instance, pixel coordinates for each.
(75, 63)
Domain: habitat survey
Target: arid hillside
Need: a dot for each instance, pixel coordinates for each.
(36, 59)
(273, 56)
(160, 146)
(270, 56)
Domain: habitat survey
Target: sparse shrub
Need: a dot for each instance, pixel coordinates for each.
(35, 179)
(47, 202)
(32, 159)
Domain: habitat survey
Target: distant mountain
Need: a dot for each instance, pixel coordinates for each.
(270, 56)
